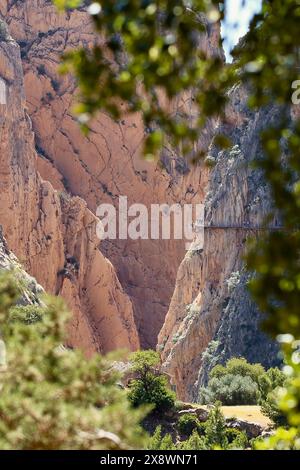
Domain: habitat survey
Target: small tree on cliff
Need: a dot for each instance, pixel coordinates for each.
(51, 398)
(149, 387)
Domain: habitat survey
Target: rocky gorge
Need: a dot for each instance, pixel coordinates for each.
(125, 293)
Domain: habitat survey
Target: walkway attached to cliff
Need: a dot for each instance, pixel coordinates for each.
(243, 227)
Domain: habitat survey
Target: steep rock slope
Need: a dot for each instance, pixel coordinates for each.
(210, 301)
(54, 235)
(108, 162)
(31, 290)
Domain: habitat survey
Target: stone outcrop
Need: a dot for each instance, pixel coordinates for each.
(54, 234)
(252, 430)
(108, 162)
(210, 301)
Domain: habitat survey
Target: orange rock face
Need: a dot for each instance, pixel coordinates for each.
(211, 300)
(108, 162)
(54, 234)
(52, 179)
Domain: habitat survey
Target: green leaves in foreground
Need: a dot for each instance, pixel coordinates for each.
(52, 398)
(288, 400)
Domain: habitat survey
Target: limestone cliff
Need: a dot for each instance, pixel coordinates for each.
(49, 220)
(107, 163)
(54, 234)
(210, 301)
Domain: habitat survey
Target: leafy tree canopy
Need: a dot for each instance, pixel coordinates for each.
(149, 387)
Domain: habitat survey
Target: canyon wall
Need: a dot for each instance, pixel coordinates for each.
(108, 163)
(52, 178)
(52, 233)
(211, 316)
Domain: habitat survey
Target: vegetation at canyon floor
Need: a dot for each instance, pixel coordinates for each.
(52, 397)
(241, 383)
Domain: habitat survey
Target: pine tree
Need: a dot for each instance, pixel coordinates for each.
(215, 436)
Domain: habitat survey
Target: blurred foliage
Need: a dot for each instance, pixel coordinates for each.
(53, 398)
(149, 387)
(27, 313)
(268, 58)
(270, 408)
(275, 380)
(287, 404)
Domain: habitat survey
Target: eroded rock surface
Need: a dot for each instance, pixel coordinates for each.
(50, 224)
(108, 162)
(210, 301)
(54, 234)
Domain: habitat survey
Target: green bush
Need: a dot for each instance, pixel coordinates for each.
(150, 387)
(238, 366)
(270, 408)
(215, 435)
(232, 390)
(270, 380)
(27, 314)
(277, 377)
(188, 423)
(153, 391)
(194, 442)
(206, 396)
(240, 383)
(236, 439)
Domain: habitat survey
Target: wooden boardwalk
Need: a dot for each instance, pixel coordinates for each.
(243, 227)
